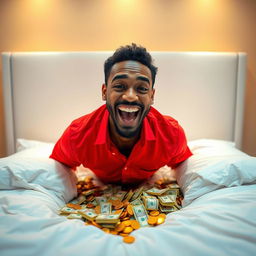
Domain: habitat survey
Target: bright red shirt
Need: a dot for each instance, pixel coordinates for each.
(87, 141)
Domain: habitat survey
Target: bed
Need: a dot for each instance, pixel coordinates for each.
(45, 91)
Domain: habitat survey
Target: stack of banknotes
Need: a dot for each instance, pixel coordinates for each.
(120, 211)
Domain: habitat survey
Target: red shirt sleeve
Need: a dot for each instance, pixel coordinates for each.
(182, 150)
(63, 151)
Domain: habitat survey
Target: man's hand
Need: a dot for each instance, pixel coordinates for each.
(164, 173)
(81, 171)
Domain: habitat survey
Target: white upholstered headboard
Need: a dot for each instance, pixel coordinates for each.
(45, 91)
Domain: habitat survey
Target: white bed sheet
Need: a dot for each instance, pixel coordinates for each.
(220, 221)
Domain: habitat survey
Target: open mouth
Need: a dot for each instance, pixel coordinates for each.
(128, 115)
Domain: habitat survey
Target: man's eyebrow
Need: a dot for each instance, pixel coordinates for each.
(143, 78)
(123, 76)
(119, 77)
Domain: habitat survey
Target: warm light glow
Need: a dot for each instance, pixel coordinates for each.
(128, 5)
(39, 3)
(39, 6)
(206, 3)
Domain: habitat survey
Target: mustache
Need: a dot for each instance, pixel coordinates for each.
(129, 104)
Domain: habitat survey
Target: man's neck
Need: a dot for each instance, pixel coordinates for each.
(124, 145)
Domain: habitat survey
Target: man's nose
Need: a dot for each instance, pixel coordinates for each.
(130, 95)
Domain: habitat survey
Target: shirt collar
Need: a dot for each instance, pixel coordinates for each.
(147, 131)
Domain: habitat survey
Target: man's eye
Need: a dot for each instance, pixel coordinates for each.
(143, 89)
(119, 87)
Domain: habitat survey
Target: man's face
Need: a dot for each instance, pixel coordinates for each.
(128, 96)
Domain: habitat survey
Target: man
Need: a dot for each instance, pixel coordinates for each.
(126, 140)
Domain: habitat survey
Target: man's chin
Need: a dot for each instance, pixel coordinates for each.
(128, 132)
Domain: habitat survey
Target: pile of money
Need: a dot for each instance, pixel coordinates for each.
(118, 210)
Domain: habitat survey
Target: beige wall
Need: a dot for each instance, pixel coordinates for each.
(171, 25)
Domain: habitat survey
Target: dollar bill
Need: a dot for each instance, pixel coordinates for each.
(129, 195)
(76, 216)
(174, 186)
(67, 210)
(88, 214)
(88, 192)
(79, 200)
(150, 202)
(111, 218)
(167, 200)
(171, 191)
(100, 199)
(136, 202)
(105, 208)
(140, 214)
(168, 209)
(156, 192)
(137, 193)
(120, 195)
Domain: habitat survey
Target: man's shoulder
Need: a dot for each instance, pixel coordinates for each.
(88, 119)
(163, 120)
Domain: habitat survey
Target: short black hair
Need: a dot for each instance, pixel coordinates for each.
(130, 52)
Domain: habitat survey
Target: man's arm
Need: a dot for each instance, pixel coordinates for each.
(63, 150)
(182, 150)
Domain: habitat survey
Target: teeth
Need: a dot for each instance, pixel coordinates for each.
(130, 110)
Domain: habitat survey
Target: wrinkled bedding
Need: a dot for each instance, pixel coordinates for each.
(218, 215)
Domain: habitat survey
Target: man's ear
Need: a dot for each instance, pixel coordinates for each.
(104, 92)
(152, 96)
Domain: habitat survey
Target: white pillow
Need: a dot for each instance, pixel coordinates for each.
(22, 144)
(206, 169)
(33, 169)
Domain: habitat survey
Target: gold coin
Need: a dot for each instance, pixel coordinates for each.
(96, 224)
(90, 198)
(159, 182)
(154, 213)
(127, 223)
(123, 234)
(160, 220)
(129, 239)
(152, 220)
(90, 205)
(117, 212)
(115, 202)
(124, 216)
(88, 179)
(97, 209)
(110, 201)
(119, 206)
(126, 203)
(74, 206)
(162, 215)
(127, 230)
(107, 230)
(135, 224)
(113, 232)
(120, 227)
(129, 210)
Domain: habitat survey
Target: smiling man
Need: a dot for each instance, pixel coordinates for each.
(126, 140)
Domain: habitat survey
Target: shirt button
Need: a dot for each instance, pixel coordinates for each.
(113, 153)
(125, 167)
